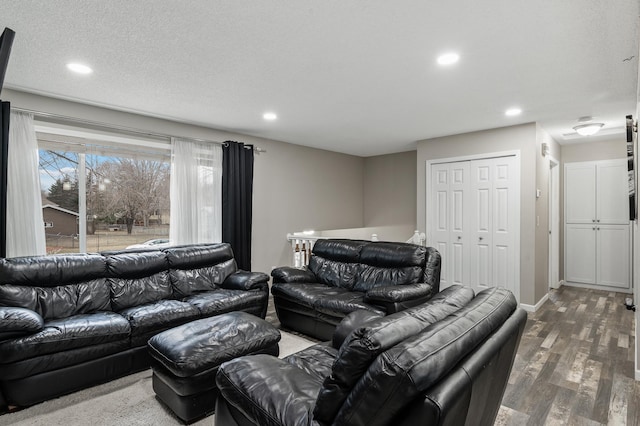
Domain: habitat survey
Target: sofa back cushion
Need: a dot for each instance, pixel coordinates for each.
(336, 262)
(199, 268)
(55, 286)
(398, 375)
(362, 265)
(137, 278)
(364, 344)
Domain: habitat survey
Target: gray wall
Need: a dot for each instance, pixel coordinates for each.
(390, 190)
(543, 167)
(522, 138)
(295, 187)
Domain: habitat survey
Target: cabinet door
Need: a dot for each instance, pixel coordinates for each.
(580, 253)
(612, 192)
(612, 252)
(580, 193)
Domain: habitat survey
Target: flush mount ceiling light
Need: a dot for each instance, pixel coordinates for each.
(79, 68)
(269, 116)
(448, 58)
(586, 128)
(511, 112)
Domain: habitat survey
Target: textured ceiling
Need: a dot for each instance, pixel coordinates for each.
(357, 76)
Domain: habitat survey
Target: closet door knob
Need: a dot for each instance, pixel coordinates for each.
(459, 237)
(480, 238)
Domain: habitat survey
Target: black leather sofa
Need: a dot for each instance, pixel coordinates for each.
(444, 362)
(346, 275)
(72, 321)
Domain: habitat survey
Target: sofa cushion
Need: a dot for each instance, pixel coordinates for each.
(315, 360)
(268, 390)
(16, 322)
(137, 278)
(376, 276)
(364, 344)
(339, 304)
(336, 262)
(217, 302)
(60, 301)
(400, 373)
(304, 294)
(61, 359)
(55, 286)
(191, 281)
(67, 333)
(158, 316)
(199, 268)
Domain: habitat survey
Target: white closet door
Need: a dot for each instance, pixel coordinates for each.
(505, 206)
(440, 220)
(481, 229)
(493, 197)
(448, 220)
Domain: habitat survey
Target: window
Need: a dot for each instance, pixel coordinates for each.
(103, 193)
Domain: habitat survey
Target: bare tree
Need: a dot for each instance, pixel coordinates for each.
(132, 189)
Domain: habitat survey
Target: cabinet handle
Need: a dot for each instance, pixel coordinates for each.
(459, 237)
(598, 220)
(593, 220)
(593, 229)
(480, 238)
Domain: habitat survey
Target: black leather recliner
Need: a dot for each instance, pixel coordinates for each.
(347, 275)
(444, 362)
(72, 321)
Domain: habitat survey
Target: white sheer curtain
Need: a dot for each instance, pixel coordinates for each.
(196, 192)
(25, 226)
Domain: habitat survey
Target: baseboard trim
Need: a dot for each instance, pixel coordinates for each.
(534, 308)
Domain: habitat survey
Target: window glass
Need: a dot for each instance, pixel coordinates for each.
(99, 195)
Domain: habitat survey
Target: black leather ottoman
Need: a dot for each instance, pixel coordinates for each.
(185, 359)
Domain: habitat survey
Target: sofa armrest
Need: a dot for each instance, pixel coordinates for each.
(15, 322)
(245, 280)
(287, 274)
(395, 298)
(354, 320)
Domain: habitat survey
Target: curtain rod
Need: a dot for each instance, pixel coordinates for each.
(63, 119)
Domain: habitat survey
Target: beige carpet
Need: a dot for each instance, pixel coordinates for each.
(126, 401)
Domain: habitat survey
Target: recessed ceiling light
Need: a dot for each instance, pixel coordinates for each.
(448, 58)
(511, 112)
(79, 68)
(270, 116)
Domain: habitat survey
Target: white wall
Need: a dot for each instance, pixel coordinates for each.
(294, 187)
(522, 138)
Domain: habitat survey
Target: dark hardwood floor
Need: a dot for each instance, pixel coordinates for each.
(575, 363)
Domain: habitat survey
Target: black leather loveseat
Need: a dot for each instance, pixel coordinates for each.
(347, 275)
(444, 362)
(72, 321)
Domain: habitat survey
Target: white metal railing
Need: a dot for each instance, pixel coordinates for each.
(302, 244)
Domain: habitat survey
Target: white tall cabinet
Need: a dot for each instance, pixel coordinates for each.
(597, 234)
(473, 221)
